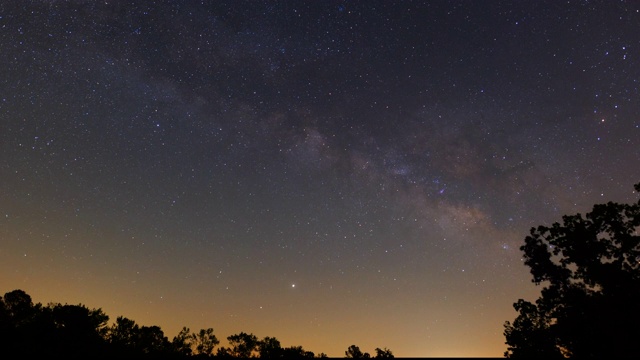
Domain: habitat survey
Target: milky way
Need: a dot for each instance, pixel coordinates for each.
(325, 172)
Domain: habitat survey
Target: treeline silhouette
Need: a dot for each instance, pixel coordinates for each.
(589, 268)
(35, 331)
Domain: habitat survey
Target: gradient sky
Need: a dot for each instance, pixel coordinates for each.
(325, 172)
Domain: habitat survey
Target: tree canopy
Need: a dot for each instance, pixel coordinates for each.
(354, 352)
(29, 330)
(589, 305)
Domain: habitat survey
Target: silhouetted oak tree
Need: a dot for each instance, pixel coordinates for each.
(242, 344)
(205, 341)
(124, 334)
(296, 352)
(384, 353)
(354, 352)
(270, 348)
(77, 330)
(36, 331)
(182, 342)
(589, 306)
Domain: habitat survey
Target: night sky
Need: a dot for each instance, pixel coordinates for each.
(324, 172)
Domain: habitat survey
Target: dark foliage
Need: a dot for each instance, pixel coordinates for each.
(590, 267)
(55, 331)
(354, 352)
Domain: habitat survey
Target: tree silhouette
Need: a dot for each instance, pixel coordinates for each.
(296, 352)
(128, 339)
(242, 344)
(18, 317)
(354, 352)
(591, 270)
(182, 342)
(530, 334)
(78, 331)
(269, 348)
(34, 331)
(18, 307)
(30, 330)
(124, 333)
(151, 340)
(204, 341)
(224, 352)
(383, 353)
